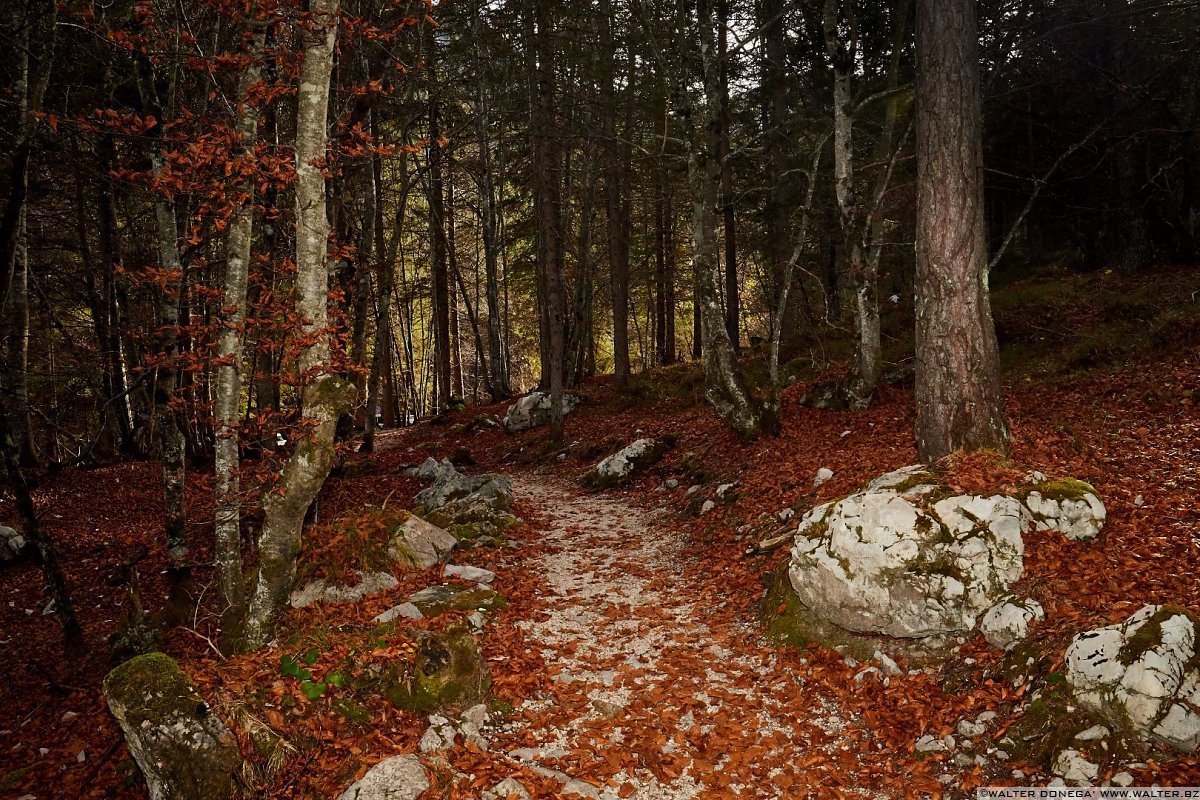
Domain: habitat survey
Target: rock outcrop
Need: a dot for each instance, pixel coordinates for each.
(533, 410)
(1142, 675)
(471, 508)
(1006, 624)
(184, 751)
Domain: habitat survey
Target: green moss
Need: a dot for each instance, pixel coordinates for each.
(153, 687)
(915, 480)
(352, 711)
(1063, 489)
(11, 779)
(1149, 635)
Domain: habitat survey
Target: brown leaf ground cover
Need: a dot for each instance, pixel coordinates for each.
(1132, 432)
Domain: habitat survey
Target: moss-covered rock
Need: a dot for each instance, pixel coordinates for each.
(437, 600)
(628, 462)
(447, 670)
(184, 751)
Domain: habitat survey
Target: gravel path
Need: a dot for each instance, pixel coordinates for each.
(655, 697)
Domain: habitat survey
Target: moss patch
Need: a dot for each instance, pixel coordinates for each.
(448, 670)
(1149, 635)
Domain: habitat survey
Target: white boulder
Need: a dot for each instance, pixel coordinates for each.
(533, 410)
(1142, 675)
(884, 560)
(626, 461)
(1007, 623)
(12, 544)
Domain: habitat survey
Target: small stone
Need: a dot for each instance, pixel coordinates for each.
(81, 756)
(887, 664)
(963, 760)
(439, 737)
(693, 489)
(1076, 769)
(824, 474)
(1002, 755)
(404, 610)
(1121, 779)
(708, 506)
(986, 717)
(467, 573)
(671, 483)
(1018, 774)
(68, 716)
(970, 729)
(476, 620)
(1138, 501)
(505, 789)
(786, 514)
(930, 744)
(724, 489)
(1092, 734)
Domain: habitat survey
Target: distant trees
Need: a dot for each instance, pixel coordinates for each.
(532, 192)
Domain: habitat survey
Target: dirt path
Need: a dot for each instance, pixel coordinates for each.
(657, 694)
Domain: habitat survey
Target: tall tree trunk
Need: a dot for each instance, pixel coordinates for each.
(499, 387)
(437, 235)
(957, 373)
(548, 180)
(701, 117)
(227, 377)
(733, 305)
(777, 207)
(109, 328)
(615, 198)
(326, 395)
(456, 365)
(868, 358)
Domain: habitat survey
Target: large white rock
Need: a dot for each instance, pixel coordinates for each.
(627, 460)
(533, 410)
(421, 544)
(1142, 674)
(1007, 623)
(395, 778)
(885, 561)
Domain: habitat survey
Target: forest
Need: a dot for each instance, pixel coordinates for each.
(368, 364)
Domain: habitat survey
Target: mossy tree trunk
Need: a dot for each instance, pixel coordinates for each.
(326, 396)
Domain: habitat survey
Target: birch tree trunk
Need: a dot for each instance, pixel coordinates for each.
(227, 377)
(957, 372)
(326, 395)
(868, 358)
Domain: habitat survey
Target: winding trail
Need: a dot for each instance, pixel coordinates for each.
(658, 693)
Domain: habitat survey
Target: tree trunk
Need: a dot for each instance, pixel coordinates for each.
(868, 358)
(615, 198)
(549, 208)
(733, 305)
(437, 236)
(499, 387)
(725, 387)
(227, 377)
(326, 395)
(957, 373)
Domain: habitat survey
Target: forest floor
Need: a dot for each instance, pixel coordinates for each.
(632, 650)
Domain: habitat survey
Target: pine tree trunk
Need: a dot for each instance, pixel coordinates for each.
(615, 199)
(326, 395)
(957, 374)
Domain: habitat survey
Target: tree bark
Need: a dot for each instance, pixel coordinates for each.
(615, 198)
(227, 375)
(437, 236)
(548, 208)
(326, 395)
(957, 373)
(733, 304)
